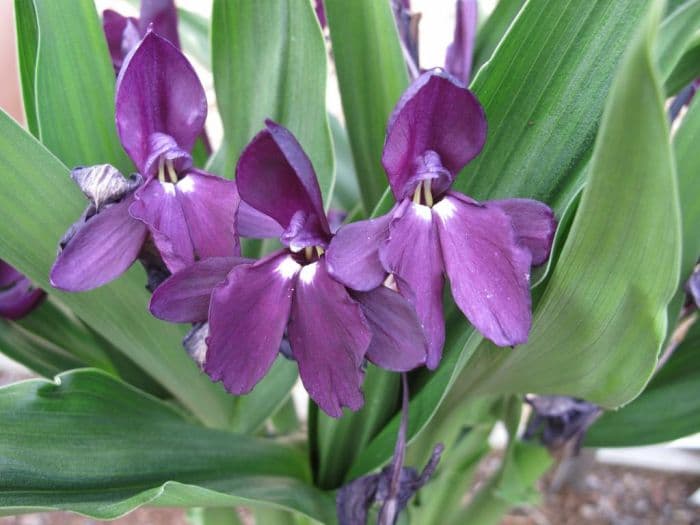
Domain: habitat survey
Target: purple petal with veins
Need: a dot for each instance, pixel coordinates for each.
(247, 318)
(435, 114)
(329, 336)
(458, 61)
(412, 252)
(101, 248)
(353, 254)
(398, 342)
(157, 92)
(489, 270)
(185, 296)
(275, 177)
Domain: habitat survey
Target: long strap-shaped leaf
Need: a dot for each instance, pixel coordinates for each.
(269, 61)
(37, 204)
(92, 444)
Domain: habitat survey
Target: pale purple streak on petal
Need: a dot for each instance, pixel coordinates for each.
(157, 205)
(275, 176)
(247, 318)
(412, 252)
(209, 205)
(163, 15)
(353, 255)
(184, 297)
(158, 92)
(434, 114)
(458, 61)
(489, 270)
(534, 225)
(398, 342)
(329, 336)
(101, 250)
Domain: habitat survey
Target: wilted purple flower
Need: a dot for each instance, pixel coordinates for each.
(331, 329)
(189, 214)
(123, 33)
(18, 296)
(458, 61)
(560, 420)
(486, 249)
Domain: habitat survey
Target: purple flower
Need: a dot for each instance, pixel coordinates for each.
(18, 296)
(560, 420)
(188, 213)
(331, 328)
(486, 249)
(458, 61)
(123, 33)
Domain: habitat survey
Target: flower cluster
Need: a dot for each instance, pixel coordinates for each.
(372, 291)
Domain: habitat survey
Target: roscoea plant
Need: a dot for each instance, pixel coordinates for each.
(361, 291)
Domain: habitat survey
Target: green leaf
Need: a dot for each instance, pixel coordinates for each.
(346, 193)
(543, 92)
(55, 323)
(27, 45)
(687, 69)
(94, 445)
(269, 61)
(193, 30)
(38, 204)
(371, 76)
(74, 85)
(34, 352)
(492, 30)
(668, 409)
(676, 35)
(685, 143)
(602, 317)
(268, 396)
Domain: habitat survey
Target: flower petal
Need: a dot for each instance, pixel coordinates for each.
(413, 254)
(114, 26)
(158, 92)
(435, 114)
(163, 15)
(353, 255)
(398, 342)
(458, 61)
(534, 225)
(275, 176)
(101, 249)
(157, 205)
(18, 296)
(184, 297)
(247, 318)
(255, 224)
(489, 270)
(329, 337)
(209, 205)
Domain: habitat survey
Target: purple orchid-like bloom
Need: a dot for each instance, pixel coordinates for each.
(18, 296)
(486, 249)
(123, 33)
(187, 213)
(560, 420)
(331, 329)
(458, 60)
